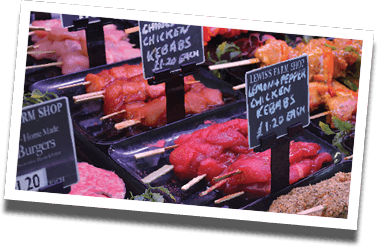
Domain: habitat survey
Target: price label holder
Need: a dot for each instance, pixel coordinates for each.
(47, 156)
(277, 111)
(94, 33)
(169, 53)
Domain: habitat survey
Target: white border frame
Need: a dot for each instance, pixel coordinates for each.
(122, 13)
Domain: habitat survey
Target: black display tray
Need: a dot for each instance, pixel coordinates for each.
(123, 154)
(264, 203)
(86, 116)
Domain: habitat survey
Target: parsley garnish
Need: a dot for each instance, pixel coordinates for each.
(148, 195)
(344, 127)
(36, 97)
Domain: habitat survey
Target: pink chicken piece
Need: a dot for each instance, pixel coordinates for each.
(73, 62)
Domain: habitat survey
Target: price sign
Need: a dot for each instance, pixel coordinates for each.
(32, 181)
(68, 20)
(277, 98)
(169, 46)
(46, 154)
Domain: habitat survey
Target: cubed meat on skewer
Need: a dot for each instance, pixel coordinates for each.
(100, 80)
(212, 151)
(123, 91)
(73, 62)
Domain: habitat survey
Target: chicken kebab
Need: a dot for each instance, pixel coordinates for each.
(127, 93)
(221, 149)
(327, 59)
(70, 48)
(328, 62)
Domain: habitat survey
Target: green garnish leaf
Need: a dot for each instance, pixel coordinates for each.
(148, 195)
(344, 127)
(331, 46)
(341, 125)
(225, 47)
(350, 84)
(36, 97)
(326, 129)
(306, 39)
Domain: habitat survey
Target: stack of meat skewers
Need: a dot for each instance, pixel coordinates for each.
(127, 96)
(220, 154)
(328, 61)
(70, 48)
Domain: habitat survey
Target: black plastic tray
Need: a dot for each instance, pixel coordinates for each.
(264, 203)
(86, 116)
(123, 154)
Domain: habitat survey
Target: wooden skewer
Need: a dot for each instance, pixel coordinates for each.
(87, 95)
(32, 47)
(33, 28)
(158, 173)
(226, 175)
(154, 152)
(75, 85)
(239, 87)
(214, 187)
(229, 197)
(45, 65)
(127, 123)
(113, 114)
(31, 33)
(193, 182)
(234, 64)
(39, 52)
(94, 97)
(132, 30)
(312, 210)
(320, 115)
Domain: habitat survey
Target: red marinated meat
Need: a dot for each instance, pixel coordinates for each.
(223, 148)
(253, 170)
(182, 158)
(300, 150)
(297, 171)
(211, 167)
(226, 137)
(319, 160)
(98, 182)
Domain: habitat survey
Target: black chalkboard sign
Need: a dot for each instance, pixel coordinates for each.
(68, 20)
(46, 152)
(167, 46)
(277, 98)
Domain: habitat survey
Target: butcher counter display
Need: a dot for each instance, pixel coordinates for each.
(127, 149)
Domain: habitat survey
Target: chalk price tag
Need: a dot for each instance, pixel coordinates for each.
(68, 20)
(168, 46)
(46, 154)
(277, 98)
